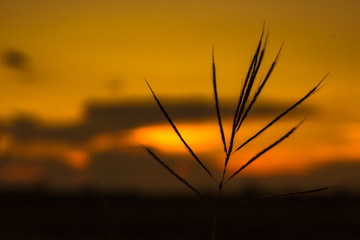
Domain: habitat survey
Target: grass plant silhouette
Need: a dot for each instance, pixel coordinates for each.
(246, 101)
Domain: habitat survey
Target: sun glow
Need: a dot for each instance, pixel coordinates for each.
(201, 136)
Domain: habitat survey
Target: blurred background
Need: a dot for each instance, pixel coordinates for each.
(74, 105)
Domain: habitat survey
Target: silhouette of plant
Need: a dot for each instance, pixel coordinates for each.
(246, 101)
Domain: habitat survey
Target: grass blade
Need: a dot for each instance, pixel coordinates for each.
(249, 88)
(264, 151)
(178, 133)
(262, 84)
(287, 194)
(249, 80)
(241, 101)
(173, 173)
(311, 92)
(217, 103)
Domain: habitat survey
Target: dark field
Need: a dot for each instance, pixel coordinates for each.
(37, 215)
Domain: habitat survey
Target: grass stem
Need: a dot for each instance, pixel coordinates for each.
(246, 100)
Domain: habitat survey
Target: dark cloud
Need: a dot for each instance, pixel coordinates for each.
(109, 117)
(137, 171)
(124, 167)
(15, 59)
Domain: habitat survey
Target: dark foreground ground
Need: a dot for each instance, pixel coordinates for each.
(37, 215)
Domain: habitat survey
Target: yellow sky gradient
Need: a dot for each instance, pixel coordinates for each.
(78, 49)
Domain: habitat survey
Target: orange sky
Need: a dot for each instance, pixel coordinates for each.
(77, 51)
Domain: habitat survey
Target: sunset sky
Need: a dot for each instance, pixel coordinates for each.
(59, 56)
